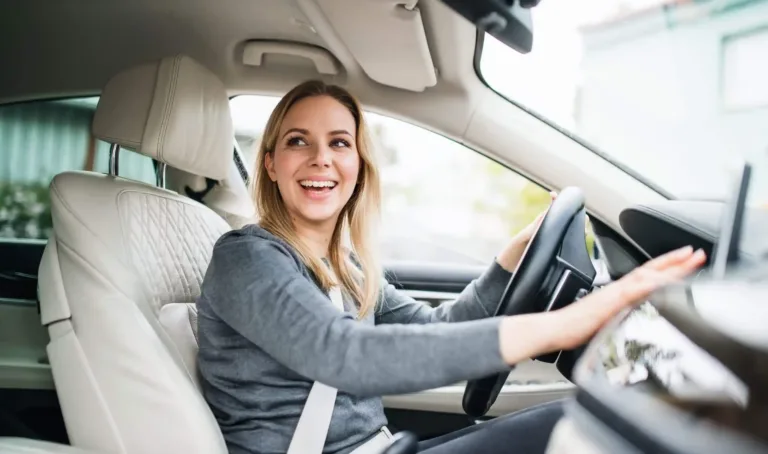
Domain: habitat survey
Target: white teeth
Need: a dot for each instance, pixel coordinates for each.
(317, 184)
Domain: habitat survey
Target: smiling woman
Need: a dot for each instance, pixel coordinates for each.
(302, 156)
(318, 181)
(295, 312)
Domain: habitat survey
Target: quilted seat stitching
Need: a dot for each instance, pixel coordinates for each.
(150, 266)
(208, 245)
(178, 261)
(135, 242)
(172, 223)
(160, 248)
(194, 239)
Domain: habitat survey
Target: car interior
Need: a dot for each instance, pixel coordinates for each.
(98, 321)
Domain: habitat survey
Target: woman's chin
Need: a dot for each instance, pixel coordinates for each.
(320, 215)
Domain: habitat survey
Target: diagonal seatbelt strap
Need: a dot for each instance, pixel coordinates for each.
(315, 419)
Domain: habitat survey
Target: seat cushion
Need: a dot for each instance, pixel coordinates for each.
(180, 322)
(13, 445)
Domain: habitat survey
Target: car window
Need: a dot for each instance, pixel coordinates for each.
(37, 141)
(674, 92)
(442, 202)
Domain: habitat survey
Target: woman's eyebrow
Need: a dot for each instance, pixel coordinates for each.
(341, 131)
(299, 130)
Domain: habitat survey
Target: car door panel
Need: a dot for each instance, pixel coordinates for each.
(18, 268)
(431, 277)
(23, 362)
(513, 397)
(29, 405)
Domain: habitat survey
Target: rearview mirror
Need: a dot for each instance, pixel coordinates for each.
(508, 21)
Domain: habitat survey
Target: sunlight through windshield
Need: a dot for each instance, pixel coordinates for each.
(677, 91)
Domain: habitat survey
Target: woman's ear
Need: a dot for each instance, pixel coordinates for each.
(269, 164)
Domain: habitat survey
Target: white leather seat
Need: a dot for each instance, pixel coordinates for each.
(11, 445)
(122, 271)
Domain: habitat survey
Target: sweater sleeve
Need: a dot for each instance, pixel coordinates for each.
(257, 288)
(478, 300)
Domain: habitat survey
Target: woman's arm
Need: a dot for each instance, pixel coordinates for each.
(256, 287)
(478, 300)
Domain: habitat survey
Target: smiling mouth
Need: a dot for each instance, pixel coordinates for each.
(317, 186)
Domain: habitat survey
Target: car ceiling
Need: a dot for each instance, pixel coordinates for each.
(84, 43)
(72, 48)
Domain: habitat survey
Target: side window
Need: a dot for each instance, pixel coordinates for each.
(37, 141)
(250, 115)
(743, 71)
(442, 202)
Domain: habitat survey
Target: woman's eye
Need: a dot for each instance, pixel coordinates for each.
(296, 142)
(338, 143)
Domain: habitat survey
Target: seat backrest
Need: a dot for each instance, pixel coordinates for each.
(123, 268)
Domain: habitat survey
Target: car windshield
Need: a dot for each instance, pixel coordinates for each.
(674, 91)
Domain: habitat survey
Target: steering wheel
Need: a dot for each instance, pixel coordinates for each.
(555, 270)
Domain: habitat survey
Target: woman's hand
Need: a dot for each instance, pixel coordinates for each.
(510, 256)
(530, 335)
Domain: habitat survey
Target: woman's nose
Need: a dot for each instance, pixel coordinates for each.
(322, 156)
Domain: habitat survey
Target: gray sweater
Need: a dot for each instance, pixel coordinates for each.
(267, 331)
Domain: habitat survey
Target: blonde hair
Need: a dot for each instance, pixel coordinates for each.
(357, 220)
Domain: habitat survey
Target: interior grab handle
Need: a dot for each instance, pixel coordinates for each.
(254, 51)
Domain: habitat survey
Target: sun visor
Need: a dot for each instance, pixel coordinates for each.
(387, 39)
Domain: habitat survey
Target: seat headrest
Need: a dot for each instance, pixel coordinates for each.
(173, 110)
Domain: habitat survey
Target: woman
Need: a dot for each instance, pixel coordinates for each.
(268, 328)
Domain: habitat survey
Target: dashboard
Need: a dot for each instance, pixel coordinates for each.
(662, 227)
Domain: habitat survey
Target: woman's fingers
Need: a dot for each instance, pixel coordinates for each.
(689, 265)
(671, 268)
(627, 291)
(642, 281)
(669, 259)
(584, 317)
(661, 271)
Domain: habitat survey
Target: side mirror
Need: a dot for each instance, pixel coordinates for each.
(508, 21)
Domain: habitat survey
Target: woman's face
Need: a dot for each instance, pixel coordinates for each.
(315, 162)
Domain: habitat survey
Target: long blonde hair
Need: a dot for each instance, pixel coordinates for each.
(357, 220)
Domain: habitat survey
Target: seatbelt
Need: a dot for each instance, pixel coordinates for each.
(312, 430)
